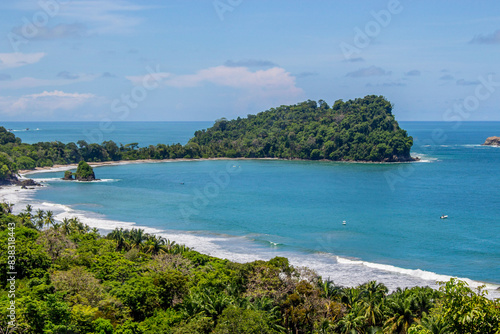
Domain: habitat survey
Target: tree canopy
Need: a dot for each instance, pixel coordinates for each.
(84, 172)
(356, 130)
(72, 279)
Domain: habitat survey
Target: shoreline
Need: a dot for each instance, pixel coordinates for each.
(243, 249)
(62, 168)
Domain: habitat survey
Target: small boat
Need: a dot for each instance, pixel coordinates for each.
(344, 222)
(27, 129)
(444, 216)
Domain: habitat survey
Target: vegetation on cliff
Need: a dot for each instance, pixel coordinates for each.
(70, 279)
(355, 130)
(84, 172)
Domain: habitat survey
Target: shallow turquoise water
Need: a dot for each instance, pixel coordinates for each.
(246, 209)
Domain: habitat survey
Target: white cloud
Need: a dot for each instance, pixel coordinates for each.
(256, 90)
(104, 16)
(274, 80)
(45, 103)
(29, 82)
(18, 59)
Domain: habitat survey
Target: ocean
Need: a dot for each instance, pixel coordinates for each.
(245, 210)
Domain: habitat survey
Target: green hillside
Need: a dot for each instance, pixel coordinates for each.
(355, 130)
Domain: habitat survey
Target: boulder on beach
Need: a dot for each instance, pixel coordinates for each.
(492, 141)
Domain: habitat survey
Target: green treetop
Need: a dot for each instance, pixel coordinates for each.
(84, 172)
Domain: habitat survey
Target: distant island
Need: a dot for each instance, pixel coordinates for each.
(362, 129)
(492, 141)
(356, 130)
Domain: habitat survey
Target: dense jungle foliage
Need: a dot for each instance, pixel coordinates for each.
(71, 279)
(356, 130)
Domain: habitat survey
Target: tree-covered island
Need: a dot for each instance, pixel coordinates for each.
(356, 130)
(362, 129)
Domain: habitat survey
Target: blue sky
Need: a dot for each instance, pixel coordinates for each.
(128, 60)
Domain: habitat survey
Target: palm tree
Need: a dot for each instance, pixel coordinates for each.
(39, 217)
(423, 299)
(77, 226)
(28, 210)
(154, 244)
(49, 218)
(169, 245)
(372, 295)
(330, 290)
(119, 236)
(353, 322)
(350, 296)
(435, 325)
(66, 226)
(401, 308)
(6, 208)
(136, 237)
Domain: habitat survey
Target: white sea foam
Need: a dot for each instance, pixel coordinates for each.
(341, 270)
(425, 158)
(24, 130)
(57, 179)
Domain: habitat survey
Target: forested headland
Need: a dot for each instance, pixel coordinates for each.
(355, 130)
(71, 279)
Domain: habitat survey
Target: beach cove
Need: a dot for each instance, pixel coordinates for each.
(341, 253)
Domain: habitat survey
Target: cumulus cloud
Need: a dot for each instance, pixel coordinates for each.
(273, 86)
(273, 79)
(45, 102)
(493, 38)
(60, 31)
(368, 72)
(463, 82)
(413, 73)
(250, 63)
(18, 59)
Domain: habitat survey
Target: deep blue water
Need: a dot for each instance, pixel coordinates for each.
(247, 209)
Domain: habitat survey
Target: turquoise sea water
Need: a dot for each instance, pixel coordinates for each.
(249, 209)
(145, 133)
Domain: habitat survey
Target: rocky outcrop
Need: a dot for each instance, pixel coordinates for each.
(492, 141)
(84, 172)
(68, 175)
(90, 177)
(24, 183)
